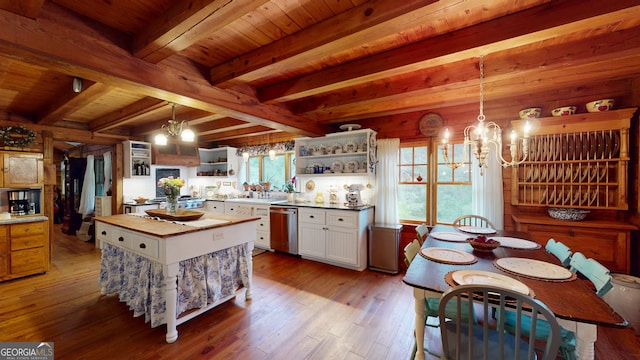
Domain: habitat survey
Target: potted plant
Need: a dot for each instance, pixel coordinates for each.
(266, 186)
(289, 188)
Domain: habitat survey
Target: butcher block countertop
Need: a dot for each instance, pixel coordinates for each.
(164, 228)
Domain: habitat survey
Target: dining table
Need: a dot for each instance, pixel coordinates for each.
(446, 259)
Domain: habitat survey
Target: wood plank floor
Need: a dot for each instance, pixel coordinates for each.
(300, 310)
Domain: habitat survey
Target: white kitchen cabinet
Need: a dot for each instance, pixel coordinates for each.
(347, 152)
(215, 206)
(137, 159)
(263, 235)
(336, 237)
(135, 208)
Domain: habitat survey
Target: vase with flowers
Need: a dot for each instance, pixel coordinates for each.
(171, 187)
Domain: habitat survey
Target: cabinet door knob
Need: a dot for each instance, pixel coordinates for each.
(340, 219)
(104, 232)
(120, 239)
(311, 217)
(143, 246)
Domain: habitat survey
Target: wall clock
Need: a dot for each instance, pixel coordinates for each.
(430, 124)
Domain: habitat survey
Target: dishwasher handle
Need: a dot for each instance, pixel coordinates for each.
(284, 211)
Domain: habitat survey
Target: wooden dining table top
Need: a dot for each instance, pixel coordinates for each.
(570, 299)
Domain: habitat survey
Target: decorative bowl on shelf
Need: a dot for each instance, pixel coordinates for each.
(481, 243)
(530, 113)
(568, 214)
(600, 105)
(563, 111)
(140, 200)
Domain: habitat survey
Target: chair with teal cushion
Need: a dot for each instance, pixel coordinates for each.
(464, 339)
(430, 304)
(559, 250)
(601, 279)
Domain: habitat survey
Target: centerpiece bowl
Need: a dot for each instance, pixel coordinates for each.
(481, 243)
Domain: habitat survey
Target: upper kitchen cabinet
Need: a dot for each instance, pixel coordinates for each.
(21, 170)
(575, 161)
(137, 159)
(216, 162)
(350, 152)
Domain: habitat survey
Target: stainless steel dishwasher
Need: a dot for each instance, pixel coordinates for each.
(283, 222)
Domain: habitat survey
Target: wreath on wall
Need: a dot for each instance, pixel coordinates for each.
(17, 136)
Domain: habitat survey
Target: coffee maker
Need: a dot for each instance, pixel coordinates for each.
(18, 202)
(24, 201)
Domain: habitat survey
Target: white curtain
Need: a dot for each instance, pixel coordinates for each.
(488, 196)
(107, 171)
(87, 197)
(387, 182)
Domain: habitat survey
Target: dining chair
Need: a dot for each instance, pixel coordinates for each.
(559, 250)
(473, 220)
(430, 303)
(462, 339)
(601, 279)
(421, 232)
(410, 251)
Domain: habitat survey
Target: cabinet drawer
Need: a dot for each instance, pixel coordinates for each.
(311, 216)
(342, 218)
(144, 245)
(27, 242)
(27, 229)
(263, 224)
(31, 260)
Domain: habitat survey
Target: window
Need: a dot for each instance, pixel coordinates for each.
(278, 171)
(429, 191)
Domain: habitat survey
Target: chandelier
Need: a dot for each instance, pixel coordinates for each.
(175, 128)
(481, 136)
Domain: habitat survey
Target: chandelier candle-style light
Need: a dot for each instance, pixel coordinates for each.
(481, 135)
(175, 128)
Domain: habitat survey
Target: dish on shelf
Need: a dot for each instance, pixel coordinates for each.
(594, 198)
(350, 127)
(616, 144)
(363, 165)
(532, 149)
(571, 147)
(363, 146)
(337, 166)
(336, 148)
(322, 149)
(350, 147)
(464, 277)
(552, 173)
(603, 173)
(527, 174)
(351, 166)
(310, 185)
(311, 150)
(543, 198)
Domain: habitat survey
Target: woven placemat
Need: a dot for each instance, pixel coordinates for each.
(571, 278)
(442, 261)
(448, 278)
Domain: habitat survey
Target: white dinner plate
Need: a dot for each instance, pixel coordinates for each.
(476, 230)
(451, 256)
(466, 277)
(449, 236)
(534, 268)
(515, 243)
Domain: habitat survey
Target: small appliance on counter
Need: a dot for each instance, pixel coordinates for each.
(354, 199)
(24, 201)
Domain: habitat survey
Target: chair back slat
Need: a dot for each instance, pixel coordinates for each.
(473, 220)
(422, 231)
(410, 251)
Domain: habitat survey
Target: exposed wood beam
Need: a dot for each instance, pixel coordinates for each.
(126, 114)
(52, 44)
(69, 134)
(342, 32)
(254, 131)
(506, 65)
(28, 8)
(497, 35)
(186, 23)
(68, 102)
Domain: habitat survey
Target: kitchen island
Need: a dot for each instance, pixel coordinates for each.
(173, 271)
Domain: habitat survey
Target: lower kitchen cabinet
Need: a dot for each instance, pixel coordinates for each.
(607, 241)
(336, 237)
(215, 206)
(24, 249)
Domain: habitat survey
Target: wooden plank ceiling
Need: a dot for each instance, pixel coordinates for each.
(257, 71)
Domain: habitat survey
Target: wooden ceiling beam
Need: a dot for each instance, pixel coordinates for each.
(186, 23)
(64, 47)
(127, 114)
(489, 37)
(349, 29)
(68, 102)
(254, 131)
(28, 8)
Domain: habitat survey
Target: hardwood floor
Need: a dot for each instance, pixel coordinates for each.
(300, 310)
